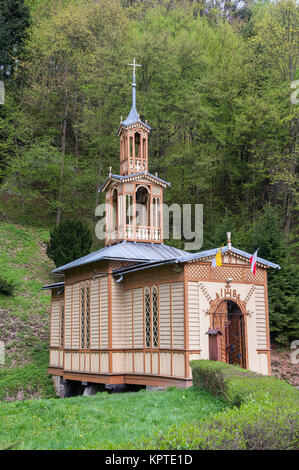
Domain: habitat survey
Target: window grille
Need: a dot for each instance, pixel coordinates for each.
(85, 315)
(155, 316)
(62, 324)
(151, 317)
(147, 305)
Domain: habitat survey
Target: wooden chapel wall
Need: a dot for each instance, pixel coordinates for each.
(205, 282)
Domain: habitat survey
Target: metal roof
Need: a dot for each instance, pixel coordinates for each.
(193, 256)
(144, 174)
(133, 114)
(54, 286)
(132, 251)
(236, 251)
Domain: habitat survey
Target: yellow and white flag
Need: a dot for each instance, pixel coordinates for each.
(217, 261)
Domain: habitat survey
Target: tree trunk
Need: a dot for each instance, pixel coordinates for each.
(63, 141)
(98, 179)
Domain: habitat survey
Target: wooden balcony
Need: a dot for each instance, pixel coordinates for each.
(144, 233)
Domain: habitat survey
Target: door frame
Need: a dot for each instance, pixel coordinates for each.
(214, 304)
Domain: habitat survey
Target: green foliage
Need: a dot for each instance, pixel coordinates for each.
(70, 240)
(6, 287)
(272, 427)
(102, 421)
(215, 86)
(31, 380)
(238, 386)
(264, 413)
(14, 20)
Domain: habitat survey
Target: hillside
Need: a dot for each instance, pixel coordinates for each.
(24, 316)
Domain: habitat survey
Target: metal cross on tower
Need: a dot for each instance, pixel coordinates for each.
(134, 65)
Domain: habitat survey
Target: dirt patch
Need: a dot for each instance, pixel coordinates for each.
(282, 366)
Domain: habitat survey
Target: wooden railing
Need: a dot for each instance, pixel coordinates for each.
(131, 232)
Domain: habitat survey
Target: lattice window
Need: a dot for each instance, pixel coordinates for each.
(82, 315)
(87, 318)
(155, 316)
(85, 315)
(62, 324)
(151, 317)
(147, 306)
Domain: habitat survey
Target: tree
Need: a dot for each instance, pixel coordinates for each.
(14, 21)
(69, 240)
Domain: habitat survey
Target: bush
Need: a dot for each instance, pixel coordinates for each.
(237, 386)
(273, 427)
(264, 413)
(70, 240)
(6, 287)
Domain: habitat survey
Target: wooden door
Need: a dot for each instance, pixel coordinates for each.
(220, 322)
(236, 336)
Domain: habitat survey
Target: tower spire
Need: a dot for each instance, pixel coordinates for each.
(133, 115)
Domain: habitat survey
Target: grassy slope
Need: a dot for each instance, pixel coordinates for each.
(102, 421)
(24, 317)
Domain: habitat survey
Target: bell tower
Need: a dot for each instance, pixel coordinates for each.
(134, 198)
(133, 134)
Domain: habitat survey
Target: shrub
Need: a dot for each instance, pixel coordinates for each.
(237, 386)
(70, 240)
(6, 287)
(264, 413)
(273, 427)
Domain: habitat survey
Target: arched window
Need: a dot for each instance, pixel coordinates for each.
(147, 308)
(62, 323)
(151, 317)
(137, 145)
(156, 212)
(115, 209)
(142, 203)
(85, 315)
(155, 320)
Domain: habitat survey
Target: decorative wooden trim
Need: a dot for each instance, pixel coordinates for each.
(107, 350)
(144, 329)
(263, 351)
(133, 339)
(110, 318)
(186, 321)
(158, 319)
(171, 335)
(219, 281)
(146, 379)
(242, 306)
(153, 283)
(99, 312)
(267, 320)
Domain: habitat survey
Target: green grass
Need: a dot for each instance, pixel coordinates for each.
(25, 315)
(30, 380)
(103, 421)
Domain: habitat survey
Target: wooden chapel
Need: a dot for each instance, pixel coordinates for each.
(137, 311)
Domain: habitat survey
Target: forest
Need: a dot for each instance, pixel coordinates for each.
(218, 85)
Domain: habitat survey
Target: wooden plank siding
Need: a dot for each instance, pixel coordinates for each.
(261, 323)
(178, 325)
(194, 315)
(55, 319)
(164, 312)
(104, 312)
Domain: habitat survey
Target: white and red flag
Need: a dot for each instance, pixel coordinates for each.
(253, 262)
